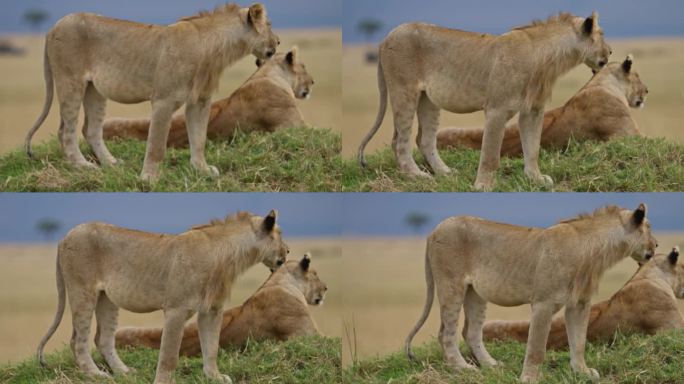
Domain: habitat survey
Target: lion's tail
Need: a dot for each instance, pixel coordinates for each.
(138, 337)
(430, 293)
(518, 331)
(472, 138)
(61, 302)
(506, 330)
(125, 128)
(382, 87)
(49, 94)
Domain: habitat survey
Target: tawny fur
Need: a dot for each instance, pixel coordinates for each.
(646, 304)
(599, 111)
(470, 261)
(91, 58)
(424, 68)
(276, 311)
(266, 102)
(102, 268)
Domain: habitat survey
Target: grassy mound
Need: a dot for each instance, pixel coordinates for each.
(295, 159)
(303, 360)
(629, 359)
(630, 164)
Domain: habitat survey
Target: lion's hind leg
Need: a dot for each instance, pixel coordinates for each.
(94, 105)
(428, 123)
(82, 303)
(107, 314)
(451, 297)
(475, 308)
(71, 95)
(404, 107)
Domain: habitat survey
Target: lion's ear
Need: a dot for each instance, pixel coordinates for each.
(257, 16)
(639, 215)
(292, 57)
(673, 256)
(590, 23)
(305, 262)
(269, 221)
(627, 64)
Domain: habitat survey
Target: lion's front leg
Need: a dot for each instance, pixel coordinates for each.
(197, 119)
(209, 325)
(172, 336)
(162, 112)
(490, 154)
(531, 124)
(542, 312)
(576, 322)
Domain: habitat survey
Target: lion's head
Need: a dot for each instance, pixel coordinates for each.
(269, 240)
(293, 70)
(638, 229)
(264, 41)
(305, 279)
(627, 79)
(597, 51)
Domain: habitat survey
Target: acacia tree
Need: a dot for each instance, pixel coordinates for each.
(48, 227)
(417, 220)
(369, 27)
(35, 18)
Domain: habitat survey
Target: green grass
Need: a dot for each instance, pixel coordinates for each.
(312, 359)
(629, 359)
(630, 164)
(295, 159)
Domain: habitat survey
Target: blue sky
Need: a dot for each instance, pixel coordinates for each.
(283, 14)
(316, 214)
(619, 18)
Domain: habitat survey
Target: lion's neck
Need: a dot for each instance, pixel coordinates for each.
(557, 53)
(278, 77)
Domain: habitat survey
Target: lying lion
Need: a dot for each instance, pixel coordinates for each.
(646, 304)
(599, 111)
(264, 103)
(278, 311)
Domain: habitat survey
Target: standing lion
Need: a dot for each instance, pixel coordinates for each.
(425, 68)
(470, 261)
(90, 58)
(102, 268)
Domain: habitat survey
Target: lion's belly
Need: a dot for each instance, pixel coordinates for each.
(457, 99)
(135, 295)
(135, 90)
(503, 289)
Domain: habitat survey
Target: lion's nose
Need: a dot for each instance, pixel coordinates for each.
(280, 262)
(270, 53)
(602, 63)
